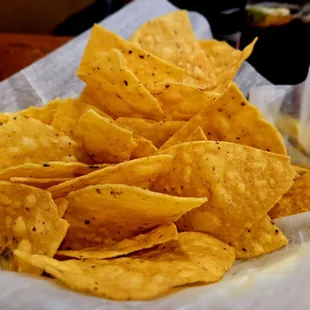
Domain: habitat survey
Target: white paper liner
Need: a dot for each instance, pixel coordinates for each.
(275, 281)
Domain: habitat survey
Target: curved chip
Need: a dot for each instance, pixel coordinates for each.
(67, 115)
(62, 205)
(105, 141)
(182, 101)
(40, 183)
(242, 184)
(144, 148)
(225, 60)
(197, 135)
(116, 211)
(158, 235)
(172, 38)
(262, 238)
(110, 71)
(27, 140)
(148, 68)
(49, 170)
(29, 222)
(296, 200)
(139, 172)
(300, 170)
(44, 114)
(231, 118)
(157, 132)
(194, 258)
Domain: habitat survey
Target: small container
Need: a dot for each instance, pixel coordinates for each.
(282, 53)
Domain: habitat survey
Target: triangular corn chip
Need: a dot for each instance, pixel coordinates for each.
(139, 172)
(29, 222)
(116, 211)
(296, 200)
(172, 38)
(242, 184)
(231, 118)
(158, 235)
(262, 238)
(195, 257)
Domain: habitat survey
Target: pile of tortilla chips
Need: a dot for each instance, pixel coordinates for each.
(160, 174)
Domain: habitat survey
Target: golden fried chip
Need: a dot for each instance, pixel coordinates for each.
(4, 118)
(67, 115)
(117, 211)
(225, 60)
(29, 222)
(27, 140)
(110, 71)
(197, 135)
(171, 37)
(94, 96)
(242, 184)
(144, 148)
(231, 118)
(262, 238)
(195, 257)
(300, 170)
(158, 235)
(40, 183)
(44, 114)
(139, 172)
(157, 132)
(148, 68)
(105, 141)
(62, 205)
(49, 170)
(182, 101)
(296, 200)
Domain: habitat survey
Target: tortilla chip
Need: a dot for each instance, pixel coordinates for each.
(67, 115)
(195, 257)
(148, 68)
(158, 235)
(115, 211)
(44, 114)
(62, 205)
(62, 114)
(40, 183)
(110, 71)
(182, 101)
(4, 118)
(139, 172)
(144, 148)
(49, 170)
(262, 238)
(300, 170)
(242, 184)
(27, 140)
(231, 118)
(157, 132)
(94, 96)
(296, 200)
(171, 37)
(225, 60)
(197, 135)
(105, 141)
(30, 222)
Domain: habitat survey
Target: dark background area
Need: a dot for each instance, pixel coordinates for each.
(281, 54)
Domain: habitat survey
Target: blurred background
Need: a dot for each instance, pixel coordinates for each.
(30, 29)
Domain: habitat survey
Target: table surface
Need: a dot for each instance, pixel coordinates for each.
(17, 51)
